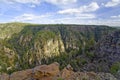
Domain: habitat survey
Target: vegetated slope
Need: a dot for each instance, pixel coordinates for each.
(32, 45)
(8, 29)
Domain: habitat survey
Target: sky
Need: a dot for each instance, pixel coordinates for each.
(88, 12)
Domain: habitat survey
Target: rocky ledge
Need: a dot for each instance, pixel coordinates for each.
(52, 72)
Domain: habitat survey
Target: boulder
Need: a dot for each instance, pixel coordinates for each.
(22, 75)
(4, 77)
(46, 72)
(67, 72)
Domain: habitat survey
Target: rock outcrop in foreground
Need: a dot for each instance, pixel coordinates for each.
(52, 72)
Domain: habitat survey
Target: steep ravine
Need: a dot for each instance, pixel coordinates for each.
(44, 44)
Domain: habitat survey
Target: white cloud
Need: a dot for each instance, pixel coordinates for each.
(21, 1)
(88, 19)
(32, 6)
(109, 22)
(59, 2)
(34, 3)
(55, 2)
(86, 8)
(75, 20)
(82, 12)
(118, 16)
(112, 3)
(85, 16)
(29, 17)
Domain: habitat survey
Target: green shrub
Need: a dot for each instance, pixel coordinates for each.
(60, 78)
(83, 61)
(89, 54)
(115, 67)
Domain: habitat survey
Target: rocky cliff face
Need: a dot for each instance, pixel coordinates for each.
(109, 47)
(107, 54)
(52, 72)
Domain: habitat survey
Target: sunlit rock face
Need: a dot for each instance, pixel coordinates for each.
(43, 45)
